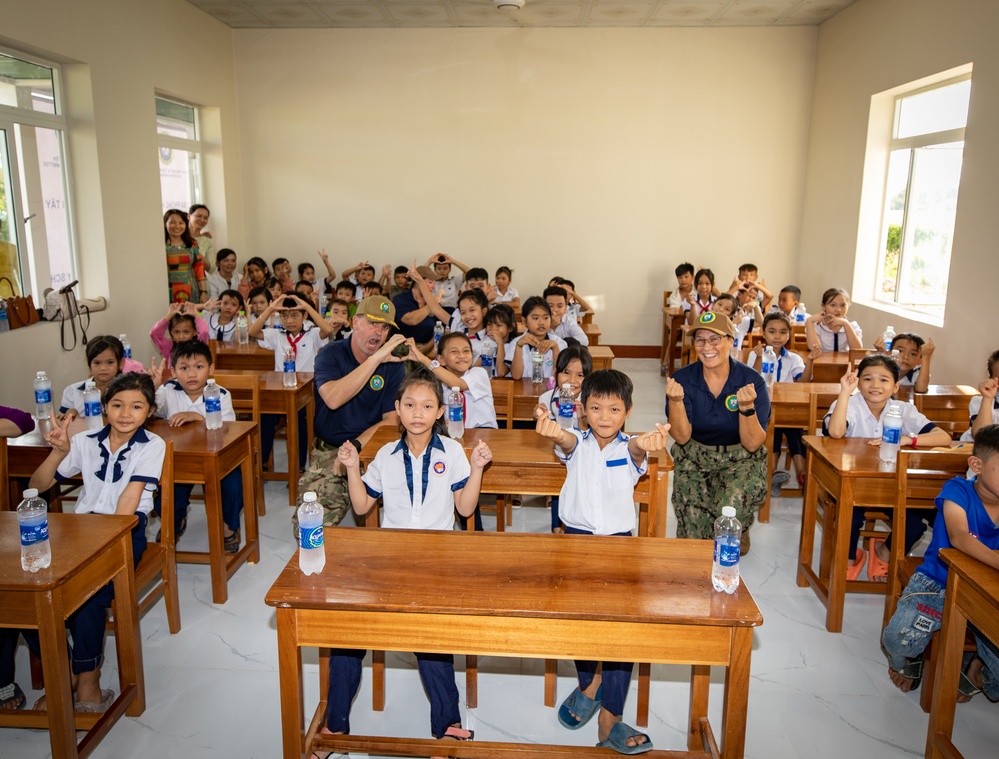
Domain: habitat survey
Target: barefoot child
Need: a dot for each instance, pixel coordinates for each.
(412, 505)
(603, 466)
(967, 519)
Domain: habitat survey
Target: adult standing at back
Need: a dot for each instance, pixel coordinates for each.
(197, 220)
(356, 382)
(718, 410)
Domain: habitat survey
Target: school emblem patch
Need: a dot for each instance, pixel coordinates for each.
(384, 307)
(439, 467)
(707, 318)
(731, 403)
(376, 382)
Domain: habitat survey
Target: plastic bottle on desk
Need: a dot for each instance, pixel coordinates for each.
(728, 541)
(891, 434)
(566, 407)
(43, 396)
(488, 356)
(889, 338)
(4, 319)
(438, 334)
(92, 406)
(311, 549)
(768, 367)
(33, 519)
(242, 329)
(213, 406)
(290, 378)
(799, 314)
(455, 413)
(537, 367)
(125, 345)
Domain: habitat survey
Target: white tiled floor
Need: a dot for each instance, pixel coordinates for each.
(211, 690)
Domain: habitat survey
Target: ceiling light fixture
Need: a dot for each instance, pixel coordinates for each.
(508, 5)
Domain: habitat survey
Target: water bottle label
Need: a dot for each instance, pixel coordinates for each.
(768, 367)
(487, 362)
(311, 537)
(455, 413)
(34, 533)
(289, 366)
(566, 409)
(128, 352)
(726, 555)
(213, 404)
(888, 346)
(800, 318)
(92, 408)
(891, 435)
(43, 396)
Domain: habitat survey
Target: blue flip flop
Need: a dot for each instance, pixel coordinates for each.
(578, 704)
(618, 737)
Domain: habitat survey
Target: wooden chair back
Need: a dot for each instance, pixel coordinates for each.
(948, 412)
(503, 400)
(859, 354)
(818, 406)
(213, 346)
(799, 342)
(245, 392)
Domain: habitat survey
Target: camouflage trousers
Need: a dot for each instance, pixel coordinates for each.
(330, 489)
(706, 480)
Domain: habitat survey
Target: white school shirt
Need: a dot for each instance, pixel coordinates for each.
(449, 290)
(225, 333)
(790, 365)
(307, 348)
(860, 422)
(479, 408)
(676, 300)
(549, 400)
(910, 377)
(569, 327)
(509, 296)
(106, 474)
(836, 342)
(598, 494)
(171, 399)
(549, 362)
(974, 409)
(72, 397)
(418, 492)
(217, 284)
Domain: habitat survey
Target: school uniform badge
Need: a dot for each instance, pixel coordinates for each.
(731, 403)
(707, 318)
(439, 467)
(377, 382)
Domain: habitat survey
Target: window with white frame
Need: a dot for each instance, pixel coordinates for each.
(36, 232)
(179, 144)
(920, 198)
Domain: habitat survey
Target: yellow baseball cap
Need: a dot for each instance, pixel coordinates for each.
(377, 308)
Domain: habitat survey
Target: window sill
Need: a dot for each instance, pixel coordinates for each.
(906, 313)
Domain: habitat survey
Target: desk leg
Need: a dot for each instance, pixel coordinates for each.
(55, 663)
(250, 483)
(736, 700)
(216, 541)
(950, 650)
(291, 444)
(765, 508)
(700, 682)
(310, 432)
(127, 639)
(840, 557)
(290, 687)
(809, 510)
(5, 499)
(500, 513)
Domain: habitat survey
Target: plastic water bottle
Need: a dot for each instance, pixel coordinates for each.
(488, 356)
(33, 518)
(438, 334)
(290, 378)
(455, 413)
(728, 540)
(799, 313)
(888, 337)
(242, 329)
(43, 396)
(537, 366)
(213, 406)
(769, 367)
(4, 319)
(891, 434)
(126, 346)
(566, 407)
(311, 550)
(92, 406)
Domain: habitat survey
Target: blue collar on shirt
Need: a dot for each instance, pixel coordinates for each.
(435, 442)
(82, 385)
(101, 435)
(911, 373)
(621, 437)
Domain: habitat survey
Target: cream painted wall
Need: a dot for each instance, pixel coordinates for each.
(606, 155)
(118, 53)
(873, 46)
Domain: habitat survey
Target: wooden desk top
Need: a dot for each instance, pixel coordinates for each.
(851, 456)
(548, 576)
(982, 577)
(799, 392)
(235, 349)
(77, 540)
(524, 447)
(832, 359)
(189, 439)
(271, 381)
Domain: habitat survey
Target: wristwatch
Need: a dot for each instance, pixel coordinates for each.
(748, 412)
(434, 364)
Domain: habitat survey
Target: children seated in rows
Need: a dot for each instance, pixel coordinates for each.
(182, 322)
(913, 355)
(829, 331)
(984, 408)
(181, 401)
(966, 519)
(564, 325)
(862, 414)
(537, 337)
(748, 279)
(506, 292)
(679, 298)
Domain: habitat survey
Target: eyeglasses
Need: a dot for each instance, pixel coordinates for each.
(713, 341)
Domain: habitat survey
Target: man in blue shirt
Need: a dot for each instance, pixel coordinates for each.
(356, 382)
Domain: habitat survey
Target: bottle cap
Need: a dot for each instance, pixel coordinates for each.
(211, 382)
(30, 493)
(454, 389)
(121, 336)
(566, 386)
(89, 384)
(728, 511)
(39, 375)
(309, 497)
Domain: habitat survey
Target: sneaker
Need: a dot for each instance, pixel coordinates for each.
(778, 480)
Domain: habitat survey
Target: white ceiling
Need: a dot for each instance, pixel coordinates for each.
(305, 14)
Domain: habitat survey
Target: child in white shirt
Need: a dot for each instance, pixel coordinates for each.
(505, 292)
(829, 331)
(537, 321)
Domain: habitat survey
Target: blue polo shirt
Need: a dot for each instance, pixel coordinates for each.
(405, 303)
(715, 421)
(376, 398)
(963, 493)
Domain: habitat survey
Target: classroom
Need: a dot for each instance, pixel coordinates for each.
(608, 147)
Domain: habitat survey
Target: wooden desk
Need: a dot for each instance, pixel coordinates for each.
(592, 332)
(88, 551)
(829, 367)
(972, 596)
(275, 398)
(673, 320)
(230, 356)
(603, 357)
(540, 596)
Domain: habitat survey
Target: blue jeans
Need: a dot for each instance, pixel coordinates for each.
(268, 426)
(918, 615)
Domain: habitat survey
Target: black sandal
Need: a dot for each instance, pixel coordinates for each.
(12, 694)
(232, 542)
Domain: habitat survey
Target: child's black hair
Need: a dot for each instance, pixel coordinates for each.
(992, 362)
(704, 273)
(178, 319)
(727, 298)
(555, 291)
(912, 337)
(260, 290)
(101, 343)
(879, 359)
(574, 353)
(794, 290)
(477, 272)
(449, 338)
(986, 442)
(501, 313)
(273, 282)
(291, 303)
(564, 281)
(276, 261)
(505, 270)
(236, 295)
(223, 253)
(345, 284)
(748, 268)
(535, 302)
(302, 268)
(260, 264)
(369, 267)
(832, 292)
(423, 376)
(776, 316)
(372, 285)
(604, 383)
(338, 302)
(476, 296)
(401, 270)
(305, 283)
(132, 381)
(684, 268)
(190, 349)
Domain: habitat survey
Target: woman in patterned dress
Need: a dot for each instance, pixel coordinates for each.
(185, 267)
